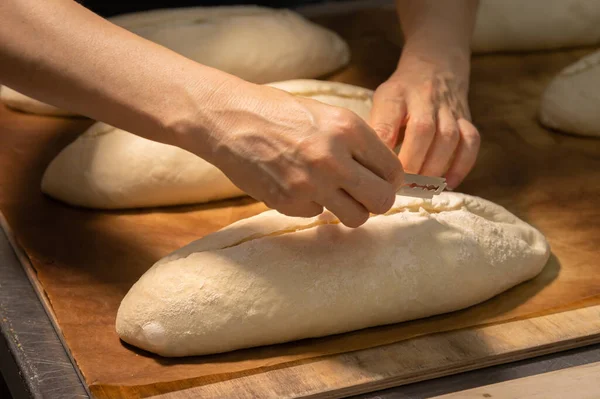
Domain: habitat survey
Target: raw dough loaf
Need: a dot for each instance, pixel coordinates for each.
(109, 168)
(272, 278)
(571, 103)
(20, 102)
(516, 25)
(258, 44)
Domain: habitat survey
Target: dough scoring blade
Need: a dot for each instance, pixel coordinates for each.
(421, 186)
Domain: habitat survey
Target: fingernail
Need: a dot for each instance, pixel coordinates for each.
(450, 183)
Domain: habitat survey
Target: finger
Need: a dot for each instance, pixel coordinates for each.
(350, 212)
(374, 193)
(466, 154)
(444, 144)
(379, 159)
(388, 114)
(420, 131)
(299, 209)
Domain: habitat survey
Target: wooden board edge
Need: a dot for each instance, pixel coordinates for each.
(373, 369)
(557, 384)
(41, 294)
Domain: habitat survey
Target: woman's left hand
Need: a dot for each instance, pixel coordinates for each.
(424, 105)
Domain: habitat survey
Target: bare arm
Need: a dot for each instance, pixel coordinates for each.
(444, 26)
(296, 155)
(60, 52)
(424, 103)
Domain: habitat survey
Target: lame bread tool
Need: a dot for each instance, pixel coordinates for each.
(421, 186)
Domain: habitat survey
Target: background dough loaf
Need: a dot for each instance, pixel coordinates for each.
(110, 168)
(272, 278)
(516, 25)
(257, 44)
(20, 102)
(571, 102)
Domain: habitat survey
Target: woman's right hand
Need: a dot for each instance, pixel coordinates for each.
(297, 155)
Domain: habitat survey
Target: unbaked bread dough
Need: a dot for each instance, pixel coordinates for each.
(20, 102)
(109, 168)
(273, 278)
(571, 102)
(258, 44)
(516, 25)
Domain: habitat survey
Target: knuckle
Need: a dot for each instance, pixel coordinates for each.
(424, 126)
(326, 163)
(299, 185)
(389, 92)
(385, 130)
(449, 134)
(384, 88)
(426, 89)
(428, 86)
(344, 122)
(472, 137)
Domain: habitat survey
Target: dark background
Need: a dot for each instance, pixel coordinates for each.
(107, 8)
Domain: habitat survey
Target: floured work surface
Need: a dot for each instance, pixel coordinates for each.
(87, 260)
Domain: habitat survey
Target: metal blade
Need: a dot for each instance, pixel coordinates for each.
(421, 186)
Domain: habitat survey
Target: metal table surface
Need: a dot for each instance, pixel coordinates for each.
(35, 364)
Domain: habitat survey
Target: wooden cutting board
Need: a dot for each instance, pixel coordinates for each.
(84, 261)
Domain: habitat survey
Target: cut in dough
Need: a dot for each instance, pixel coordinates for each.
(109, 168)
(516, 25)
(20, 102)
(258, 44)
(271, 278)
(571, 103)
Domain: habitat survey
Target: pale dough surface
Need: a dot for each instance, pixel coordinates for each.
(571, 102)
(20, 102)
(258, 44)
(110, 168)
(271, 278)
(531, 25)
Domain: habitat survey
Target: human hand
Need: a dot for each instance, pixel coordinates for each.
(299, 155)
(424, 105)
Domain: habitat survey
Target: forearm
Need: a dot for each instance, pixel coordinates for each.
(438, 27)
(61, 53)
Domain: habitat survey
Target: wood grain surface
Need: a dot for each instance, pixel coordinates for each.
(86, 260)
(579, 382)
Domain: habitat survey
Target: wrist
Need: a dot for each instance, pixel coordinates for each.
(196, 121)
(447, 58)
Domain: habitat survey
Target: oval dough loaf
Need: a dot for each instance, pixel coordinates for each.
(109, 168)
(515, 25)
(271, 278)
(258, 44)
(571, 102)
(20, 102)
